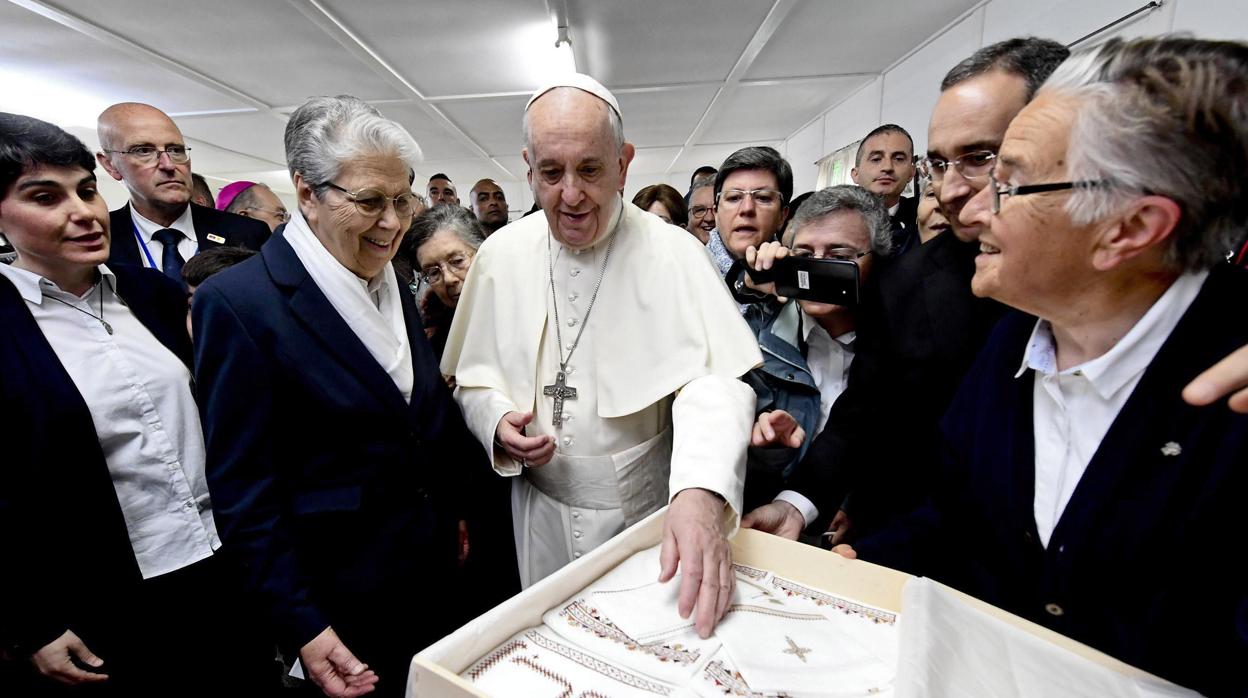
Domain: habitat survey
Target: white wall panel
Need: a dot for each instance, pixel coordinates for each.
(802, 150)
(852, 119)
(911, 88)
(1212, 19)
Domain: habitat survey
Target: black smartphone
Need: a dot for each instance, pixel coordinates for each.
(832, 281)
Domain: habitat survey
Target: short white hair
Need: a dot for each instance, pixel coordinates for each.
(324, 133)
(613, 120)
(1165, 116)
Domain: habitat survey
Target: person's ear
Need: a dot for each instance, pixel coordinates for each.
(1147, 222)
(305, 196)
(107, 164)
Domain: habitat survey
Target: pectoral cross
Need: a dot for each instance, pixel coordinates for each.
(801, 652)
(561, 391)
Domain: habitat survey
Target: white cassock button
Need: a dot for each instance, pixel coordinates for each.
(189, 505)
(570, 370)
(575, 272)
(1054, 609)
(576, 555)
(570, 347)
(567, 441)
(567, 418)
(576, 534)
(572, 322)
(576, 514)
(572, 297)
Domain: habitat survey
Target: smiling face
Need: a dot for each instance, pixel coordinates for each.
(1031, 255)
(702, 213)
(887, 166)
(160, 188)
(575, 168)
(57, 221)
(747, 223)
(931, 219)
(362, 244)
(971, 116)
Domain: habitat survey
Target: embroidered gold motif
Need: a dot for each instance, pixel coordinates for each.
(579, 614)
(609, 670)
(794, 649)
(732, 683)
(875, 615)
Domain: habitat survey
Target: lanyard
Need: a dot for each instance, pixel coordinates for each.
(151, 263)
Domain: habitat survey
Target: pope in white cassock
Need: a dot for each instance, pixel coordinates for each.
(597, 355)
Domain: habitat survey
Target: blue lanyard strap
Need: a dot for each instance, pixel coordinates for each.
(146, 252)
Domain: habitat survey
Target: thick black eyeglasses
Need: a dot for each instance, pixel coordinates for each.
(1000, 190)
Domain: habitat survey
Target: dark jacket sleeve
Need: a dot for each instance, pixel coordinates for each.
(236, 395)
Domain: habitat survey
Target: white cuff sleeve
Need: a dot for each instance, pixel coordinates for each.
(808, 509)
(483, 408)
(711, 421)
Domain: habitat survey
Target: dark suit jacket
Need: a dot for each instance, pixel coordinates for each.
(60, 522)
(1145, 561)
(905, 225)
(919, 329)
(237, 230)
(334, 495)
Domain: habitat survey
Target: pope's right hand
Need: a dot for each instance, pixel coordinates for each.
(529, 450)
(762, 259)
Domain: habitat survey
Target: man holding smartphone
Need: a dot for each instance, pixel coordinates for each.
(807, 342)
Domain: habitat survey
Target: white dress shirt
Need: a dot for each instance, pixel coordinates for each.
(829, 359)
(147, 228)
(140, 399)
(1074, 408)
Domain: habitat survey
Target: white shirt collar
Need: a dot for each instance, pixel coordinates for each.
(31, 285)
(148, 227)
(892, 210)
(811, 325)
(1132, 354)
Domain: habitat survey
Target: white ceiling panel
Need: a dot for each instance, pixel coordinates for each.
(856, 36)
(493, 123)
(656, 119)
(712, 155)
(653, 42)
(649, 162)
(449, 48)
(234, 41)
(257, 134)
(40, 58)
(762, 112)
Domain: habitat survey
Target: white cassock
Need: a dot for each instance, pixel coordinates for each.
(659, 407)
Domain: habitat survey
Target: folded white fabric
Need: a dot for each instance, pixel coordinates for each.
(802, 653)
(536, 663)
(951, 649)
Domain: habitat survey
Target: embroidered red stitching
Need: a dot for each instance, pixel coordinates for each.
(751, 572)
(547, 673)
(742, 608)
(593, 664)
(493, 658)
(588, 618)
(875, 615)
(732, 682)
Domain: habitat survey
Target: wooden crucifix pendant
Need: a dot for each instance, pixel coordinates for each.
(560, 391)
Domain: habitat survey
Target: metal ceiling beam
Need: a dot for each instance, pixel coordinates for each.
(780, 9)
(329, 23)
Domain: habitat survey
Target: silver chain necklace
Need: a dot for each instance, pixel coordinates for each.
(107, 327)
(560, 390)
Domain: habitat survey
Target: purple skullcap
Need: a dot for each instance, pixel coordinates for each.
(230, 192)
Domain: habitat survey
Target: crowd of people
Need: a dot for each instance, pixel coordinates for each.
(249, 443)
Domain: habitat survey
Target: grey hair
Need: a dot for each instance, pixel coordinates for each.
(846, 197)
(326, 132)
(455, 219)
(613, 120)
(1165, 116)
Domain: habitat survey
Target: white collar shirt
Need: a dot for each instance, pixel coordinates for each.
(1073, 409)
(140, 398)
(146, 228)
(829, 359)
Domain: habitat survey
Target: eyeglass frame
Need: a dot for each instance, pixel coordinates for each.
(156, 153)
(749, 193)
(707, 209)
(283, 215)
(957, 164)
(353, 197)
(445, 266)
(802, 254)
(1023, 189)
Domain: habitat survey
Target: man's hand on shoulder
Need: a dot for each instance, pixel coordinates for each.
(694, 540)
(779, 518)
(1227, 376)
(330, 665)
(528, 450)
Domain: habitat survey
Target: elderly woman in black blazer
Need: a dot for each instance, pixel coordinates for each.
(106, 527)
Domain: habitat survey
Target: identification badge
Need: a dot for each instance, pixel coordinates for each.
(215, 238)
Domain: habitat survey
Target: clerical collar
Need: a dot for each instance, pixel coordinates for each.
(615, 224)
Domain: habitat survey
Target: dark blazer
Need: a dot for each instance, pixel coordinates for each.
(334, 495)
(237, 230)
(905, 225)
(1144, 563)
(919, 328)
(60, 522)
